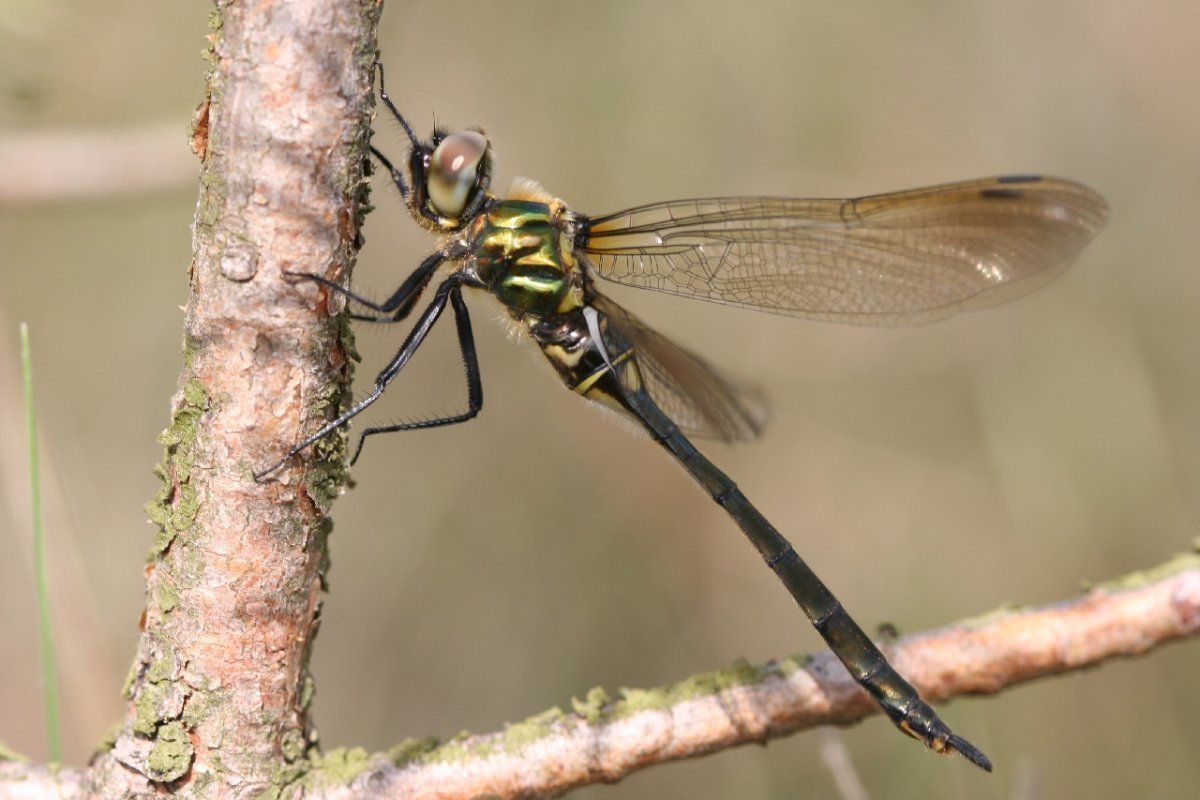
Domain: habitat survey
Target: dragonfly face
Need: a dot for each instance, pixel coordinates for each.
(897, 258)
(450, 176)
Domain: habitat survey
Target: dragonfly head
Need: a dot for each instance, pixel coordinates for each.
(449, 175)
(450, 178)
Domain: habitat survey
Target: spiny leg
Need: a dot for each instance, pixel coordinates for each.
(466, 344)
(849, 643)
(411, 343)
(395, 308)
(396, 175)
(387, 101)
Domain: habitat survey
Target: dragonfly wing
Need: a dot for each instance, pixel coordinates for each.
(900, 258)
(700, 400)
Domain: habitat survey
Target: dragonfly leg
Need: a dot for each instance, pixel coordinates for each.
(395, 308)
(411, 343)
(396, 175)
(866, 664)
(466, 344)
(387, 101)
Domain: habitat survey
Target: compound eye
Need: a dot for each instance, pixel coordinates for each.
(452, 171)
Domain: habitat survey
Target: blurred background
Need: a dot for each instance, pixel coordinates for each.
(485, 572)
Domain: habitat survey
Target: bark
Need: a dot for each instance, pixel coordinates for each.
(219, 689)
(603, 739)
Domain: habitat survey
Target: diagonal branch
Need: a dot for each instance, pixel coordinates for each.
(604, 740)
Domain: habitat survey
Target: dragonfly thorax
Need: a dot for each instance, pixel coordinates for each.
(524, 255)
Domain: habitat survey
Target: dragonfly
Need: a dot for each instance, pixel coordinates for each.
(900, 258)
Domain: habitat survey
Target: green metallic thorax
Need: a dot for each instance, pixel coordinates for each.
(524, 256)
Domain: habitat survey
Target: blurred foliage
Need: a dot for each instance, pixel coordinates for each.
(484, 572)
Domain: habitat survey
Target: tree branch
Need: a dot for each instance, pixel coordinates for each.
(605, 739)
(219, 690)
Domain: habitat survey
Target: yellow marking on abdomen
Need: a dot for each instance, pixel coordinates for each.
(587, 383)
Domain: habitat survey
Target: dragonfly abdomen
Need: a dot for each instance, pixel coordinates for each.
(592, 359)
(866, 664)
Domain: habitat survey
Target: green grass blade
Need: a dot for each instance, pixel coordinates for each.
(49, 686)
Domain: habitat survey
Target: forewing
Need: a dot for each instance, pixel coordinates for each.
(685, 386)
(899, 258)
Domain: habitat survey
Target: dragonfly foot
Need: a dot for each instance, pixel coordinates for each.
(258, 476)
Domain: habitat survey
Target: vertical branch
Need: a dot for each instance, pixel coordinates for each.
(219, 689)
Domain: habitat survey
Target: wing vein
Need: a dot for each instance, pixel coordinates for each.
(896, 258)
